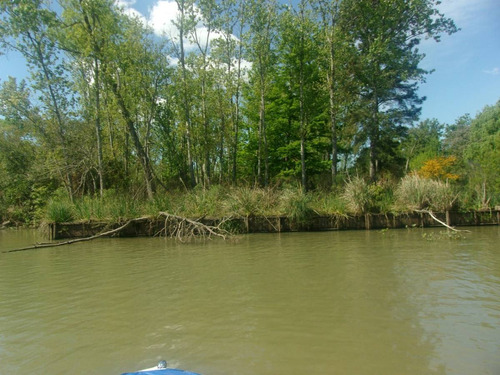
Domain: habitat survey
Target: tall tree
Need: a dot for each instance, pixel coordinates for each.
(92, 27)
(29, 27)
(185, 24)
(261, 47)
(228, 52)
(136, 67)
(385, 35)
(202, 39)
(298, 57)
(335, 58)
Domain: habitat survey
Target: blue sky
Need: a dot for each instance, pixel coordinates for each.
(467, 64)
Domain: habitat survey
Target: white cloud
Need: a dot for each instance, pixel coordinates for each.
(125, 3)
(495, 71)
(164, 13)
(126, 6)
(161, 18)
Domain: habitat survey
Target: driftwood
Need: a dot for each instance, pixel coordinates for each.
(177, 227)
(439, 221)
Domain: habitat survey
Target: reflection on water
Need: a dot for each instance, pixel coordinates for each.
(325, 303)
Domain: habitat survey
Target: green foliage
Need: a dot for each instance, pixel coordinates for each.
(482, 156)
(422, 143)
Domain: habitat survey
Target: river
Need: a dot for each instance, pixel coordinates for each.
(353, 302)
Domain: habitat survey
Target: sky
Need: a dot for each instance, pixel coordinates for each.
(466, 65)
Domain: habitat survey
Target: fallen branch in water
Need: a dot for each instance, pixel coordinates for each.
(177, 227)
(69, 242)
(439, 221)
(182, 228)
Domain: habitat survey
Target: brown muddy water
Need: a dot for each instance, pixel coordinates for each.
(357, 302)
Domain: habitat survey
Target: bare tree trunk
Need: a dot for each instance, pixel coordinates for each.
(302, 122)
(187, 112)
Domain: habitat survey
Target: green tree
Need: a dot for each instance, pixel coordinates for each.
(185, 24)
(136, 69)
(385, 35)
(336, 57)
(422, 142)
(227, 51)
(92, 27)
(299, 68)
(261, 50)
(482, 155)
(29, 27)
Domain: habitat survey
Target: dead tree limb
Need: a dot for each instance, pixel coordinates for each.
(108, 233)
(439, 221)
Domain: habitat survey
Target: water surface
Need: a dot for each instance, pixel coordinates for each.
(352, 302)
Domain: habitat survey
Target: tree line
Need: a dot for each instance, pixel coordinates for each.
(252, 92)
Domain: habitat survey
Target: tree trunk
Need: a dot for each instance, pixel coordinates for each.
(143, 157)
(98, 127)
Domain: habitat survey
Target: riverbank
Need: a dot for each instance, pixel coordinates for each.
(154, 226)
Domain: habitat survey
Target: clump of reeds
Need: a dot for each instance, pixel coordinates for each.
(248, 201)
(112, 206)
(328, 204)
(417, 193)
(296, 205)
(60, 211)
(357, 195)
(201, 201)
